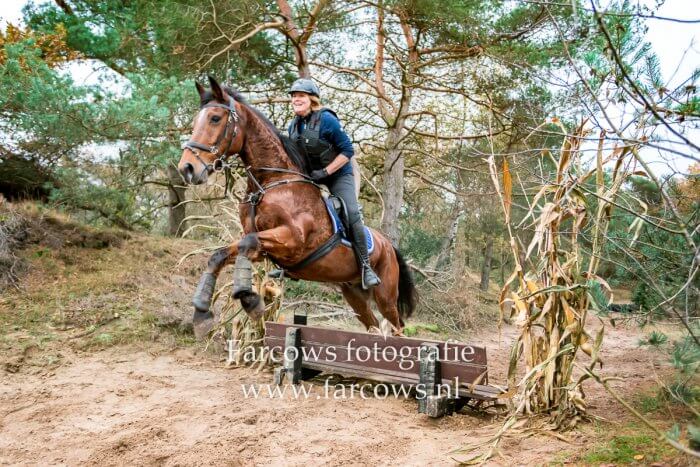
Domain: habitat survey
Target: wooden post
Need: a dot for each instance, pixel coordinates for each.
(428, 372)
(300, 317)
(292, 358)
(433, 404)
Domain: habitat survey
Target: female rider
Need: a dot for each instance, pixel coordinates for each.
(328, 149)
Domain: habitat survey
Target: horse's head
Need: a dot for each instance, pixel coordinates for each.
(216, 134)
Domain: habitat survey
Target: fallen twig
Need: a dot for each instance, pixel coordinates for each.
(95, 328)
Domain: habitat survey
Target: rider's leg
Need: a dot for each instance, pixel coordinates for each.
(343, 186)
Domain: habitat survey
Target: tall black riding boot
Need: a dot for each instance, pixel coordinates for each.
(359, 243)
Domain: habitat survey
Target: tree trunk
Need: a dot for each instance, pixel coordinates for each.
(176, 195)
(447, 247)
(486, 268)
(395, 120)
(393, 186)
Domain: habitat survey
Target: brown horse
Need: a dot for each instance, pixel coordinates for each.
(284, 216)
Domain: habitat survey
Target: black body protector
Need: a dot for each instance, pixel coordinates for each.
(318, 152)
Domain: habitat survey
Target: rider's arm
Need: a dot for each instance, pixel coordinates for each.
(336, 136)
(339, 161)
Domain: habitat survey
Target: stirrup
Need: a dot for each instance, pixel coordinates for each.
(372, 280)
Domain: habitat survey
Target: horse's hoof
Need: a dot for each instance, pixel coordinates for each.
(205, 291)
(253, 306)
(240, 292)
(202, 323)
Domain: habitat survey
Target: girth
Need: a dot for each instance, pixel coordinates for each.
(317, 254)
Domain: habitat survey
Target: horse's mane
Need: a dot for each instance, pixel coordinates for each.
(290, 148)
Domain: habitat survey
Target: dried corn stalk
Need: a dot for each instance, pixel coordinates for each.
(550, 302)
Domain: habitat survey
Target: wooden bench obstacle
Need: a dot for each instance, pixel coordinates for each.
(444, 375)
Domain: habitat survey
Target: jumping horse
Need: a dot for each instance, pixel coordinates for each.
(283, 215)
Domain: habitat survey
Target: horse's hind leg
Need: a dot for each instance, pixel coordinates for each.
(359, 301)
(386, 296)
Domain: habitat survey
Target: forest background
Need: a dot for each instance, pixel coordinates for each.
(536, 147)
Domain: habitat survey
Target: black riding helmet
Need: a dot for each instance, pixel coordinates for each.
(305, 85)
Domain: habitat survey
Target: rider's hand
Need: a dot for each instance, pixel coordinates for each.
(317, 175)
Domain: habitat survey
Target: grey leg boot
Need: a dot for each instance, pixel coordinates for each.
(359, 243)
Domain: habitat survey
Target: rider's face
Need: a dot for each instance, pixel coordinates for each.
(301, 103)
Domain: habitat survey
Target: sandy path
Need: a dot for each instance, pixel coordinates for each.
(136, 408)
(125, 406)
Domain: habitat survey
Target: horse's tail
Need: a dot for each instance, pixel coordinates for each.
(408, 295)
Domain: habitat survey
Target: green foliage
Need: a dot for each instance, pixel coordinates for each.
(674, 432)
(174, 37)
(622, 449)
(598, 300)
(694, 437)
(310, 291)
(418, 243)
(649, 404)
(682, 392)
(108, 203)
(654, 339)
(413, 329)
(685, 355)
(54, 120)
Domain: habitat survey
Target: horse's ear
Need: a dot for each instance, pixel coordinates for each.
(200, 89)
(216, 90)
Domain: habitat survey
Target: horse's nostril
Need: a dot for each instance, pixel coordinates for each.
(187, 171)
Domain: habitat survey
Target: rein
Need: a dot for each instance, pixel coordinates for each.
(254, 198)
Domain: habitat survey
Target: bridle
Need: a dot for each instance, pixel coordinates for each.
(219, 163)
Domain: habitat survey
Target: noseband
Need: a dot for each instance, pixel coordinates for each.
(219, 163)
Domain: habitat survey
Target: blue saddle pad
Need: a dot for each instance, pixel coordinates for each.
(338, 227)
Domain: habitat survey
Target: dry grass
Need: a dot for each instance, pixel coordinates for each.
(90, 288)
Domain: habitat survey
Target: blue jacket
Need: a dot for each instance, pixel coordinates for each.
(331, 132)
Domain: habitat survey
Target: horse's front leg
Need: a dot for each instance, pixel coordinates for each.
(207, 283)
(202, 320)
(276, 242)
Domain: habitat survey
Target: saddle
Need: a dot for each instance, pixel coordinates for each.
(339, 217)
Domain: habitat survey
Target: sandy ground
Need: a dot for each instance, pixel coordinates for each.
(129, 406)
(165, 403)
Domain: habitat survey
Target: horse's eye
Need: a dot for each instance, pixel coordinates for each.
(215, 119)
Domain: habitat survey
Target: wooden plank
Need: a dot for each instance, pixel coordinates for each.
(336, 355)
(447, 350)
(480, 392)
(372, 351)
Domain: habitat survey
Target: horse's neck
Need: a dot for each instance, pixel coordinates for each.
(262, 148)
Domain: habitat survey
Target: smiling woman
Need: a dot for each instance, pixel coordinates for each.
(320, 137)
